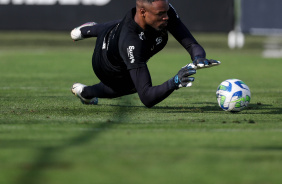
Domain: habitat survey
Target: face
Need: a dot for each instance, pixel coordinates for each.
(155, 14)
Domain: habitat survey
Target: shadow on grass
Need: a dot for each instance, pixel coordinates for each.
(246, 148)
(264, 109)
(211, 107)
(46, 159)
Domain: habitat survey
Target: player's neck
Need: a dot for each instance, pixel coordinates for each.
(139, 20)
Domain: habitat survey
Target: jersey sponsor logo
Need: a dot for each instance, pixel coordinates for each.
(159, 40)
(53, 2)
(130, 50)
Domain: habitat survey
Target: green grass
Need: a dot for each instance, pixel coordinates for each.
(48, 137)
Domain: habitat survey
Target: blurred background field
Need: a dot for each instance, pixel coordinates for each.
(48, 137)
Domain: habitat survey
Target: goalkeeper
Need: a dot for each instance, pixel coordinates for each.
(123, 48)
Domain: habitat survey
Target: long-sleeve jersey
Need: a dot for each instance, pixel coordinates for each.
(126, 48)
(128, 44)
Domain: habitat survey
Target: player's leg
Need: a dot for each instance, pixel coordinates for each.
(113, 83)
(77, 89)
(89, 94)
(100, 90)
(90, 29)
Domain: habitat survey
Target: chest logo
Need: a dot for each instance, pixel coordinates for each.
(141, 36)
(159, 40)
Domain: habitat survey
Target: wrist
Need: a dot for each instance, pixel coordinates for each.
(172, 84)
(198, 57)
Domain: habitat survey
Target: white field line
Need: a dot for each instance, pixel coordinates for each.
(273, 47)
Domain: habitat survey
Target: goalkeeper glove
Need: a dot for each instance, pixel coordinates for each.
(205, 63)
(182, 79)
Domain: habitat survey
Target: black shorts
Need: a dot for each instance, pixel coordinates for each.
(115, 77)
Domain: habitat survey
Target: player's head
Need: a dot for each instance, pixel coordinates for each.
(153, 13)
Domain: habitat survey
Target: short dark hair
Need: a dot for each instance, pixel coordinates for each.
(147, 1)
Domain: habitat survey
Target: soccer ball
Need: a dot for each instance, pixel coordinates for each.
(233, 95)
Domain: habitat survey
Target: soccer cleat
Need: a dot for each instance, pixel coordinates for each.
(77, 88)
(76, 32)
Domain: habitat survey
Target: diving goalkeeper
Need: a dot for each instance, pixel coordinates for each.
(123, 48)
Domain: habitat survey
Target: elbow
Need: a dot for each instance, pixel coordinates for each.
(147, 103)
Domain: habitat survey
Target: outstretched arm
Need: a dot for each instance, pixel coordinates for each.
(151, 95)
(181, 33)
(186, 39)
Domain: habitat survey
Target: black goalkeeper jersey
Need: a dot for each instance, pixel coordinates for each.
(128, 46)
(124, 48)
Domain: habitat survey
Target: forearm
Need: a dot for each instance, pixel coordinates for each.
(148, 94)
(152, 95)
(186, 39)
(196, 51)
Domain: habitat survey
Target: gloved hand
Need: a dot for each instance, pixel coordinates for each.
(182, 79)
(205, 63)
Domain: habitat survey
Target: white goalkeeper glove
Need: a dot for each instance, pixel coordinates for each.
(205, 63)
(182, 79)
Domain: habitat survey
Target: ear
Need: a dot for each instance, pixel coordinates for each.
(143, 12)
